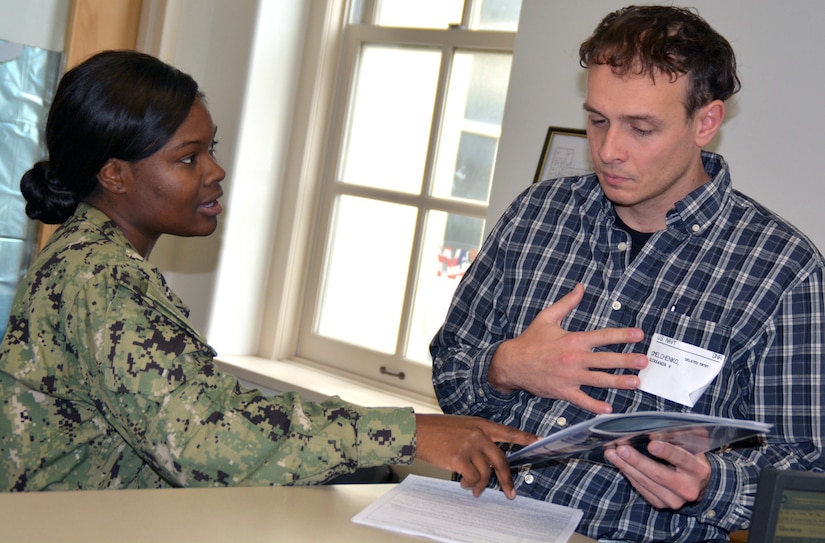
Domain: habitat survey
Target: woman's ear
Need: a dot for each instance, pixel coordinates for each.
(113, 176)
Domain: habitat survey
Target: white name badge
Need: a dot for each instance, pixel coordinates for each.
(679, 371)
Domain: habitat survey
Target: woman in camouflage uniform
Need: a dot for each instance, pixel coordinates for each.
(104, 383)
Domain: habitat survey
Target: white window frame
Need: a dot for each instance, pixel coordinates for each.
(339, 356)
(299, 234)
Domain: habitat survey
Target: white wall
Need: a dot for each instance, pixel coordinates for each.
(245, 55)
(772, 138)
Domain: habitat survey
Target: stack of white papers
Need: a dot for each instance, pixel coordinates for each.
(443, 511)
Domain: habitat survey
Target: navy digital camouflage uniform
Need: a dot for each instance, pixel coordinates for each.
(105, 384)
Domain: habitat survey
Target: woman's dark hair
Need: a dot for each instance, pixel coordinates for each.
(665, 40)
(116, 104)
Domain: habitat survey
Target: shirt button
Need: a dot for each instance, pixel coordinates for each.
(561, 421)
(622, 246)
(617, 305)
(695, 228)
(710, 514)
(529, 479)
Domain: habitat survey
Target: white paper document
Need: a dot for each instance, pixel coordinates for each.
(443, 511)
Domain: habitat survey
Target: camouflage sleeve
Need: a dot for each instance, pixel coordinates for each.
(153, 379)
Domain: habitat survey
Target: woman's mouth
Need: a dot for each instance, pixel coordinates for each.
(212, 207)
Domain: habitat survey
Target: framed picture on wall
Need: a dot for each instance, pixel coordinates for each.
(565, 153)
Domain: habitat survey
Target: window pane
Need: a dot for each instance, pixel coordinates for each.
(366, 272)
(451, 243)
(499, 15)
(419, 13)
(471, 126)
(391, 116)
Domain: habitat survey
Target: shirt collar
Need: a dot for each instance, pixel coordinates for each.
(697, 211)
(99, 220)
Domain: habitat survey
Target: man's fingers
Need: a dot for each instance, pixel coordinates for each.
(664, 486)
(558, 310)
(580, 399)
(610, 361)
(610, 336)
(601, 379)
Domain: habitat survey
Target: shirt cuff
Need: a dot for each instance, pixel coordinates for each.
(485, 394)
(722, 504)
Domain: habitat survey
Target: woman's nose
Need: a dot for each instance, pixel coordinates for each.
(216, 173)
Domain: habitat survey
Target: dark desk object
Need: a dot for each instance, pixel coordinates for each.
(789, 507)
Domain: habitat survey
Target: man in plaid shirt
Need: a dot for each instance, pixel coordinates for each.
(555, 318)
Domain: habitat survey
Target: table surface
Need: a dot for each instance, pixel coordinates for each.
(312, 514)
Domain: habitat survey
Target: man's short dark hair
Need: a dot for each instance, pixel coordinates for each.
(665, 40)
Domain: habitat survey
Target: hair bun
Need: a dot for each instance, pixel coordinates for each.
(47, 199)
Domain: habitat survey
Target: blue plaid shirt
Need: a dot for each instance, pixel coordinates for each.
(726, 275)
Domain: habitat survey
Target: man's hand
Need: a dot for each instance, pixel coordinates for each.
(663, 486)
(467, 445)
(550, 362)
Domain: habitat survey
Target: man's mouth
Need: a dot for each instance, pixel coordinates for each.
(613, 179)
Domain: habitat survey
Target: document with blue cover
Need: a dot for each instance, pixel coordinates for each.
(694, 432)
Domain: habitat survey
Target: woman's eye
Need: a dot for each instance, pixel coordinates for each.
(212, 147)
(188, 160)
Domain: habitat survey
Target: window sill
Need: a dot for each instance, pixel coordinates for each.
(315, 384)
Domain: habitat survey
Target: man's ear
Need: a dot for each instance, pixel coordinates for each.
(710, 119)
(114, 175)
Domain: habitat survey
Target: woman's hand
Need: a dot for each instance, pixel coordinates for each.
(467, 445)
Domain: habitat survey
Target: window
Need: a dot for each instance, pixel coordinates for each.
(410, 156)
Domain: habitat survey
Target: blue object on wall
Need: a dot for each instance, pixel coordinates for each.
(28, 78)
